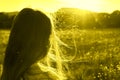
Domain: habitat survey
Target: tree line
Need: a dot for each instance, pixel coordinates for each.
(66, 18)
(6, 19)
(75, 18)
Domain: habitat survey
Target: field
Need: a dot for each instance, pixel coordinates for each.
(96, 53)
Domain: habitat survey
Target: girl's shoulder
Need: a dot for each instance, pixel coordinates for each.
(35, 73)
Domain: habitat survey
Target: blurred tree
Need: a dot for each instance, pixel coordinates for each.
(68, 18)
(65, 18)
(103, 20)
(3, 19)
(115, 19)
(6, 20)
(74, 18)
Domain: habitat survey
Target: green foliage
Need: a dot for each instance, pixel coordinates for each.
(3, 42)
(103, 20)
(67, 18)
(98, 54)
(115, 18)
(6, 20)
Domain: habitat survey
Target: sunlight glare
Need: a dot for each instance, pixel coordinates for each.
(92, 5)
(54, 5)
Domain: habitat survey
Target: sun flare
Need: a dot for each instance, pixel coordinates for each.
(53, 5)
(92, 5)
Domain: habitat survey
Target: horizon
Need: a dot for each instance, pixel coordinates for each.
(58, 9)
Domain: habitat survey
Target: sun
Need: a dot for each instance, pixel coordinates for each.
(92, 5)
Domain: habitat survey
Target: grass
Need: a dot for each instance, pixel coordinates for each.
(97, 53)
(3, 42)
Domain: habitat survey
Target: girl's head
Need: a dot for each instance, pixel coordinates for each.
(28, 42)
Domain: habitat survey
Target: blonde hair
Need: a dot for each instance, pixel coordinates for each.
(54, 56)
(22, 45)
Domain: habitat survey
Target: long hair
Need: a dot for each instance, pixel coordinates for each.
(55, 55)
(28, 43)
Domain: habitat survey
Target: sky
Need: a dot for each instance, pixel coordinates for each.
(53, 5)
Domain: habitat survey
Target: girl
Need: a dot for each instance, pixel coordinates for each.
(32, 40)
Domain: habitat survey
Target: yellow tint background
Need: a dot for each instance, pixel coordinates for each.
(53, 5)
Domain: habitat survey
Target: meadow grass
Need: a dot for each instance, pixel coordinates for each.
(97, 53)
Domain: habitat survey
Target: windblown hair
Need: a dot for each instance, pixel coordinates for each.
(28, 43)
(54, 55)
(32, 39)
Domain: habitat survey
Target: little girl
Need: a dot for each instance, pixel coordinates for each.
(31, 39)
